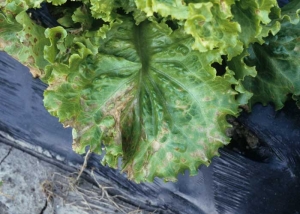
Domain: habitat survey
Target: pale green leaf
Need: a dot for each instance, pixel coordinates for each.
(82, 16)
(104, 9)
(24, 40)
(211, 26)
(54, 2)
(177, 9)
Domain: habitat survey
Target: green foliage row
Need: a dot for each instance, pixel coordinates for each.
(134, 78)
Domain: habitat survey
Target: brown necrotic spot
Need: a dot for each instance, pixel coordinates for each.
(58, 35)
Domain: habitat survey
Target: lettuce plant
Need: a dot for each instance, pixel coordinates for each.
(136, 79)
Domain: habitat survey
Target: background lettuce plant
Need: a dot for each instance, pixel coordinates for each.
(136, 79)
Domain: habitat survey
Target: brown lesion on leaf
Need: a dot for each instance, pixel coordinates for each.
(156, 145)
(199, 154)
(33, 70)
(4, 43)
(36, 73)
(69, 123)
(223, 6)
(27, 38)
(77, 145)
(115, 106)
(162, 133)
(129, 171)
(57, 82)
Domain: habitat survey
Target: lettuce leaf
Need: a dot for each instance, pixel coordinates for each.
(228, 25)
(276, 61)
(278, 67)
(24, 40)
(148, 97)
(211, 26)
(254, 20)
(134, 79)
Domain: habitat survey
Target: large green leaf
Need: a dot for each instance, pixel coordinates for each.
(148, 97)
(142, 91)
(271, 71)
(278, 67)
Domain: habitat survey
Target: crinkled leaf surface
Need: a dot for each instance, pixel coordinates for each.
(278, 67)
(241, 70)
(253, 18)
(148, 97)
(104, 9)
(209, 22)
(271, 71)
(175, 8)
(23, 39)
(291, 11)
(145, 92)
(228, 26)
(211, 26)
